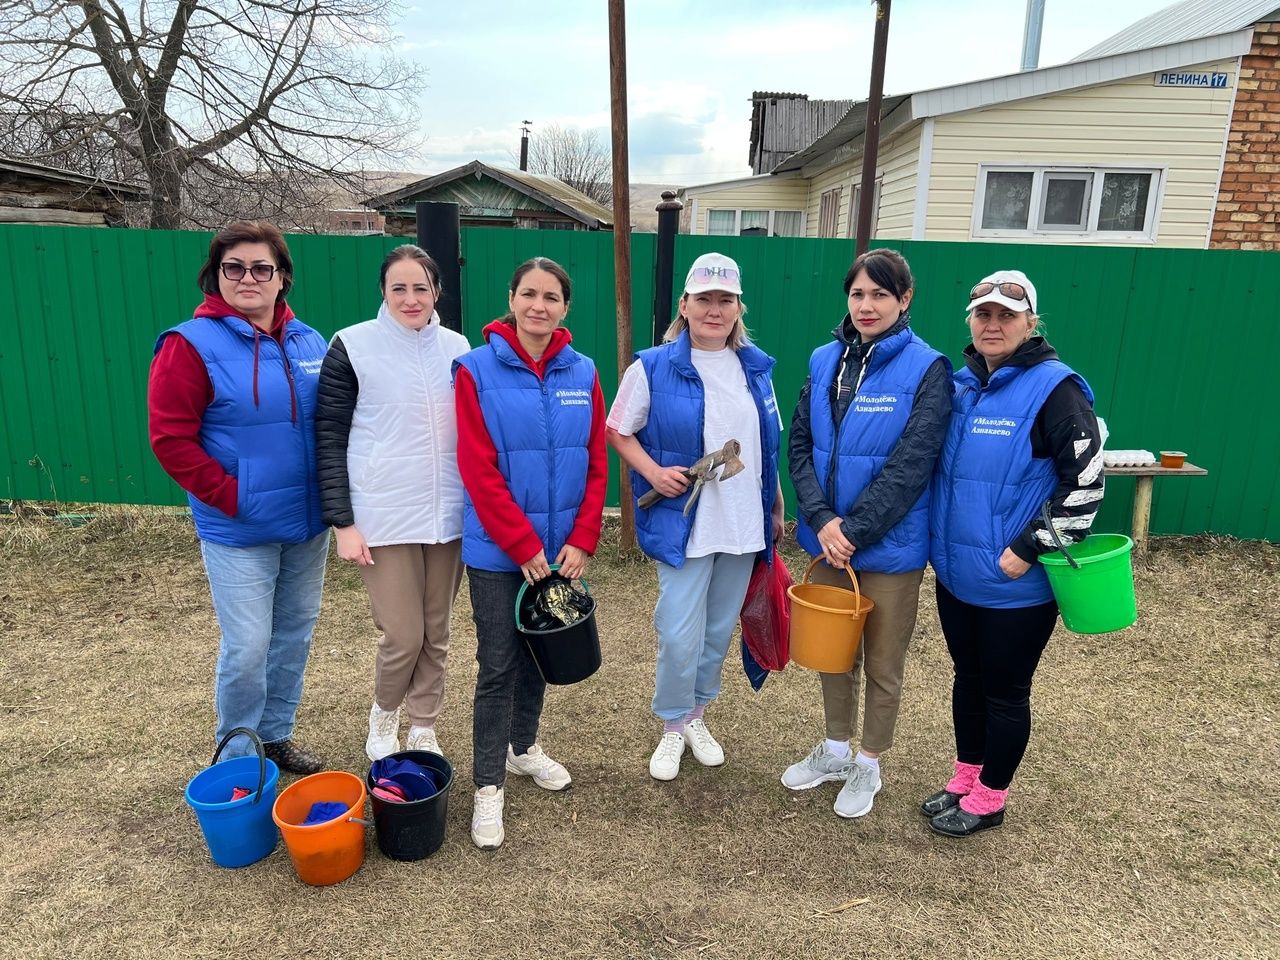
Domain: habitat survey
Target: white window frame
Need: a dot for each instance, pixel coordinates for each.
(855, 193)
(1061, 234)
(737, 219)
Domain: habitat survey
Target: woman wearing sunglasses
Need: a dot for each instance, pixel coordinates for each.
(705, 385)
(534, 466)
(1023, 437)
(232, 400)
(387, 455)
(864, 439)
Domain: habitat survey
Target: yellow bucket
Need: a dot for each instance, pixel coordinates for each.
(826, 623)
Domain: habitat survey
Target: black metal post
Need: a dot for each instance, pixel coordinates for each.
(440, 236)
(871, 138)
(665, 262)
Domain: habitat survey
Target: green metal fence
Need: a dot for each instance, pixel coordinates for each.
(1179, 345)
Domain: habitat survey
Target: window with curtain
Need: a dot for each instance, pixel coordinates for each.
(1079, 202)
(721, 223)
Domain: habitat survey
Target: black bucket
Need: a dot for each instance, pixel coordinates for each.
(565, 654)
(413, 830)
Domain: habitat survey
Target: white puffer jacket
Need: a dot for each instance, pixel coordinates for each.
(402, 454)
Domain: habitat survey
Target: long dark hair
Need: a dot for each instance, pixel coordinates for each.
(887, 269)
(245, 231)
(538, 263)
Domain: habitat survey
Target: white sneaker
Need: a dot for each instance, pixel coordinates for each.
(423, 738)
(665, 762)
(486, 818)
(820, 766)
(546, 773)
(705, 749)
(859, 791)
(384, 732)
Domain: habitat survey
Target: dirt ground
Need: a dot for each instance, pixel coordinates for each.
(1143, 822)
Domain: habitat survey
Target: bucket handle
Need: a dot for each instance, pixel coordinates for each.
(525, 586)
(857, 592)
(1048, 524)
(361, 820)
(257, 745)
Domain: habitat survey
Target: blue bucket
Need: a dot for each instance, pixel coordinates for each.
(238, 832)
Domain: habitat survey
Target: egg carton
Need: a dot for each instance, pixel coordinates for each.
(1128, 458)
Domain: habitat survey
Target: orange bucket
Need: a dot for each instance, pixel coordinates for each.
(826, 623)
(323, 853)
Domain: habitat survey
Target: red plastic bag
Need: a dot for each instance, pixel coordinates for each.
(766, 614)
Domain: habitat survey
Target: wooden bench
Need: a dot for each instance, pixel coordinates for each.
(1145, 477)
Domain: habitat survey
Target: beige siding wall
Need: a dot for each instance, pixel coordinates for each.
(896, 172)
(776, 195)
(1128, 123)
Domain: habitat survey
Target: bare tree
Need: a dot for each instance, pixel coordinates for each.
(212, 98)
(575, 156)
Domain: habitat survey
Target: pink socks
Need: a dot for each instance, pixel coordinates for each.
(677, 726)
(982, 800)
(966, 776)
(696, 713)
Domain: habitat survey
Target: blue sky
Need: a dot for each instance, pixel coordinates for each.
(693, 65)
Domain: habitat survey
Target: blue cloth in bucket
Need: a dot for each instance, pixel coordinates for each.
(417, 782)
(322, 811)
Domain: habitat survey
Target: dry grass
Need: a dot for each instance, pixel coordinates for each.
(1143, 822)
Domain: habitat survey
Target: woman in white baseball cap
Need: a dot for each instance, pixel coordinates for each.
(1022, 434)
(705, 385)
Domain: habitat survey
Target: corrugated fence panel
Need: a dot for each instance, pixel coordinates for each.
(1178, 344)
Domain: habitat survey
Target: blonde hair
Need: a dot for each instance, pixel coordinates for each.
(738, 336)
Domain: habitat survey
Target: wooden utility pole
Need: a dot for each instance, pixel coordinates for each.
(621, 230)
(871, 136)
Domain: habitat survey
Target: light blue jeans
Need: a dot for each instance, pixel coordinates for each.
(267, 599)
(698, 606)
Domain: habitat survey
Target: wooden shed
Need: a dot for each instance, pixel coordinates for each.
(35, 193)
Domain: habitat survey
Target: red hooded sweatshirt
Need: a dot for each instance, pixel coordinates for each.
(497, 511)
(178, 392)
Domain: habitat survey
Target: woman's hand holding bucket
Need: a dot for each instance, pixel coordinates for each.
(836, 548)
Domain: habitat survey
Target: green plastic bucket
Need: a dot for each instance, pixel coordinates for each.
(1097, 596)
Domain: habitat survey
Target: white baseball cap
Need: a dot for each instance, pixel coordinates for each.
(993, 289)
(714, 271)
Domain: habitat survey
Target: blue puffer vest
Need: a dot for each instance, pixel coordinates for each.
(868, 432)
(673, 437)
(987, 486)
(261, 428)
(541, 429)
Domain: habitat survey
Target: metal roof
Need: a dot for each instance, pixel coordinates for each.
(122, 190)
(1187, 20)
(554, 193)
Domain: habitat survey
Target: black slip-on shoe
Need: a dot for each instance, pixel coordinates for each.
(958, 822)
(290, 757)
(940, 802)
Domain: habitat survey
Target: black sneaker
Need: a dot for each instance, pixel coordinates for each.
(293, 758)
(959, 822)
(940, 802)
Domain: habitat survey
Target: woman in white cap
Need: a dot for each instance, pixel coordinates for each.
(864, 440)
(1023, 436)
(705, 385)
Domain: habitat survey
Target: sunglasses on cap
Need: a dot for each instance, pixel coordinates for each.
(1014, 291)
(708, 274)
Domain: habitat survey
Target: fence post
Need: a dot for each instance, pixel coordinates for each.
(439, 235)
(664, 262)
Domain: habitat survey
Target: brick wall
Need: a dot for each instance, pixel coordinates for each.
(1248, 212)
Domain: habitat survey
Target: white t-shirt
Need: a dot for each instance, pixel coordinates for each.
(728, 517)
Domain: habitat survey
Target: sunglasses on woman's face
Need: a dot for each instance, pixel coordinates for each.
(1014, 291)
(262, 272)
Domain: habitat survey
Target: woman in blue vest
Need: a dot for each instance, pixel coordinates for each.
(864, 440)
(232, 401)
(1023, 433)
(532, 455)
(705, 385)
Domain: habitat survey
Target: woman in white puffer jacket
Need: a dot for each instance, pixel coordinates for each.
(386, 453)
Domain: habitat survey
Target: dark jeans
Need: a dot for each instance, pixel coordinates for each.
(995, 652)
(509, 688)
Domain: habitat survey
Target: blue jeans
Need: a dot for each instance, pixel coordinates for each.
(698, 606)
(267, 599)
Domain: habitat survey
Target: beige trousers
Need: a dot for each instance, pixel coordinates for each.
(412, 587)
(882, 658)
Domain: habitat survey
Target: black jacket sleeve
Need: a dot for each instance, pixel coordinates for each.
(1066, 431)
(811, 500)
(335, 405)
(907, 470)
